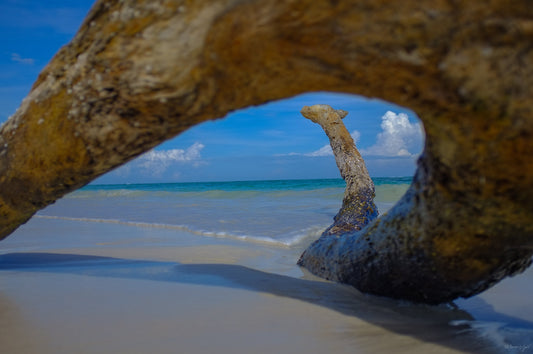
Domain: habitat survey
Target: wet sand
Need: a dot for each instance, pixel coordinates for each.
(65, 288)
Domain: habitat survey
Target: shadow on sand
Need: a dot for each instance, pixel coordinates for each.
(445, 325)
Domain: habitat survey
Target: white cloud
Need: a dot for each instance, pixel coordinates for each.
(323, 151)
(18, 59)
(397, 138)
(157, 162)
(355, 136)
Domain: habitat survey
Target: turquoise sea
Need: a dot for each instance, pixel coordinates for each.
(211, 267)
(283, 212)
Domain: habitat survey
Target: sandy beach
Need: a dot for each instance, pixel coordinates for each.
(177, 157)
(181, 293)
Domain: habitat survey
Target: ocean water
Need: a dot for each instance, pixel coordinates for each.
(123, 255)
(281, 212)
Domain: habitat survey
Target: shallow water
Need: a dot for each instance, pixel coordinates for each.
(211, 268)
(278, 212)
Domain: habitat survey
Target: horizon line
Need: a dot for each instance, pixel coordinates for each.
(240, 181)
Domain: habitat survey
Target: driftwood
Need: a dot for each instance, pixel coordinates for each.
(385, 259)
(358, 208)
(140, 72)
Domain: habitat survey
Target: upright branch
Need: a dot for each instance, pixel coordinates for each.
(358, 207)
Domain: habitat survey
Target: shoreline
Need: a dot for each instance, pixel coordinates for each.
(185, 293)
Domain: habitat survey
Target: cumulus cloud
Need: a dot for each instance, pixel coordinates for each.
(158, 162)
(397, 138)
(18, 59)
(323, 151)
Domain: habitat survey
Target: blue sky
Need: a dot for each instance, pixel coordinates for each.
(271, 141)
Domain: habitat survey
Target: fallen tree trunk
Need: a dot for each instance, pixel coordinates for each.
(394, 256)
(140, 72)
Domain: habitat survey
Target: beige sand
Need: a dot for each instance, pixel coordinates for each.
(220, 296)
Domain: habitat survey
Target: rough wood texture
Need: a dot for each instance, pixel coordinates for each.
(358, 208)
(139, 72)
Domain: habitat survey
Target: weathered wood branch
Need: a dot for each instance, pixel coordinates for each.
(140, 72)
(391, 256)
(358, 208)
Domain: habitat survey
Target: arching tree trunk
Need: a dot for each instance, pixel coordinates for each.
(139, 72)
(395, 257)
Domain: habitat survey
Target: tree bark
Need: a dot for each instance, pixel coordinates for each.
(358, 208)
(390, 257)
(140, 72)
